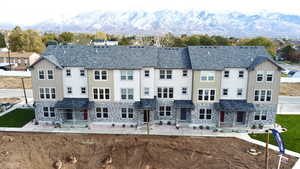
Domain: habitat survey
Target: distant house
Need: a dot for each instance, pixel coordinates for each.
(3, 50)
(18, 60)
(98, 42)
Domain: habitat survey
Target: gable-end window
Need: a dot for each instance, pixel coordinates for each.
(184, 73)
(102, 112)
(207, 76)
(68, 72)
(82, 73)
(226, 73)
(127, 75)
(127, 94)
(241, 74)
(259, 77)
(50, 74)
(104, 75)
(206, 94)
(100, 75)
(147, 73)
(184, 90)
(165, 74)
(69, 90)
(41, 75)
(269, 77)
(146, 91)
(83, 90)
(225, 92)
(239, 92)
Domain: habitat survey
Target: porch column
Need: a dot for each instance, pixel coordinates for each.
(73, 116)
(234, 118)
(219, 119)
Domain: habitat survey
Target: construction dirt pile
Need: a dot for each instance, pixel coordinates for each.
(14, 82)
(91, 151)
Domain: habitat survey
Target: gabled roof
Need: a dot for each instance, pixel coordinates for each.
(50, 58)
(258, 60)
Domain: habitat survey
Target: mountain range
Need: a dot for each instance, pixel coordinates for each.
(235, 24)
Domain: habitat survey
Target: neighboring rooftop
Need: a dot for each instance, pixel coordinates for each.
(17, 54)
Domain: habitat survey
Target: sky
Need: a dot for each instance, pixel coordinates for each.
(27, 12)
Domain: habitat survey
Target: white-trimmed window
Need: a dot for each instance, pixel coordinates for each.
(50, 75)
(69, 90)
(165, 110)
(263, 95)
(68, 72)
(101, 93)
(259, 76)
(101, 112)
(207, 76)
(165, 92)
(206, 94)
(241, 74)
(269, 76)
(185, 73)
(47, 93)
(260, 115)
(82, 72)
(83, 90)
(127, 94)
(48, 111)
(45, 74)
(147, 73)
(239, 92)
(146, 91)
(127, 113)
(165, 74)
(226, 73)
(127, 75)
(41, 74)
(184, 90)
(225, 92)
(100, 75)
(205, 114)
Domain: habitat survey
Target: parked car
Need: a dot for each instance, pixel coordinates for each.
(294, 74)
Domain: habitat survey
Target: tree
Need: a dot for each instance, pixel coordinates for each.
(192, 40)
(125, 41)
(101, 36)
(206, 40)
(178, 42)
(221, 41)
(287, 51)
(83, 38)
(295, 57)
(167, 40)
(2, 41)
(261, 41)
(66, 37)
(33, 42)
(16, 40)
(49, 37)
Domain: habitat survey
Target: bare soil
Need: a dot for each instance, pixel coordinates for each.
(91, 151)
(14, 82)
(290, 89)
(10, 100)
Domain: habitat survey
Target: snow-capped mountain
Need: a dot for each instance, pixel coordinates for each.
(179, 22)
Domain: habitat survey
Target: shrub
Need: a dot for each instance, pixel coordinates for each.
(194, 127)
(207, 127)
(201, 127)
(123, 125)
(261, 126)
(131, 125)
(253, 126)
(169, 123)
(160, 123)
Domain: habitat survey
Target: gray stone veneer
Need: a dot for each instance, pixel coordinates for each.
(196, 113)
(39, 112)
(271, 110)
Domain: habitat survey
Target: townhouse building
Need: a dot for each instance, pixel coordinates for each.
(218, 86)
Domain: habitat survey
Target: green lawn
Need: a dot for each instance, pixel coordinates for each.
(17, 118)
(291, 138)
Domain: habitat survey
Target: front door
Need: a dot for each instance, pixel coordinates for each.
(85, 115)
(240, 117)
(146, 116)
(222, 114)
(183, 112)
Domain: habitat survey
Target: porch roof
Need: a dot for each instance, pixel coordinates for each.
(73, 103)
(234, 105)
(145, 104)
(183, 104)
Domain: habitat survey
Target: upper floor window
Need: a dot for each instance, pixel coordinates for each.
(41, 75)
(147, 73)
(164, 110)
(50, 74)
(82, 73)
(263, 95)
(101, 93)
(102, 112)
(205, 114)
(83, 90)
(184, 90)
(100, 75)
(127, 75)
(127, 113)
(69, 90)
(47, 93)
(206, 94)
(259, 76)
(225, 92)
(226, 73)
(68, 72)
(269, 76)
(239, 92)
(207, 76)
(165, 92)
(146, 91)
(184, 73)
(127, 94)
(241, 74)
(165, 74)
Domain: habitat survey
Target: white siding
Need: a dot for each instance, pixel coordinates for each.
(147, 82)
(134, 84)
(233, 83)
(76, 82)
(177, 82)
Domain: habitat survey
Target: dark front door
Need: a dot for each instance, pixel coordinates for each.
(85, 115)
(146, 116)
(222, 116)
(183, 112)
(240, 117)
(69, 116)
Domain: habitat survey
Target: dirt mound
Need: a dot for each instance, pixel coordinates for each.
(85, 151)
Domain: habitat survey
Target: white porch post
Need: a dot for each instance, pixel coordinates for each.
(219, 119)
(234, 118)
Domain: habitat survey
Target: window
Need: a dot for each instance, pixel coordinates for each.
(100, 75)
(47, 93)
(269, 77)
(83, 90)
(41, 75)
(257, 116)
(263, 95)
(101, 93)
(52, 113)
(225, 92)
(102, 112)
(184, 73)
(207, 76)
(49, 111)
(226, 73)
(263, 115)
(184, 90)
(241, 74)
(82, 73)
(46, 111)
(239, 92)
(205, 114)
(127, 113)
(146, 91)
(127, 94)
(147, 73)
(165, 110)
(165, 74)
(50, 74)
(260, 115)
(206, 94)
(201, 113)
(68, 72)
(69, 90)
(165, 92)
(259, 77)
(126, 75)
(208, 114)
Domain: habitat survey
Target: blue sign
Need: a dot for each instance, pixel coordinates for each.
(278, 140)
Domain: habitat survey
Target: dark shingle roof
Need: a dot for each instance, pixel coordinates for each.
(145, 104)
(72, 103)
(234, 105)
(258, 60)
(183, 104)
(220, 57)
